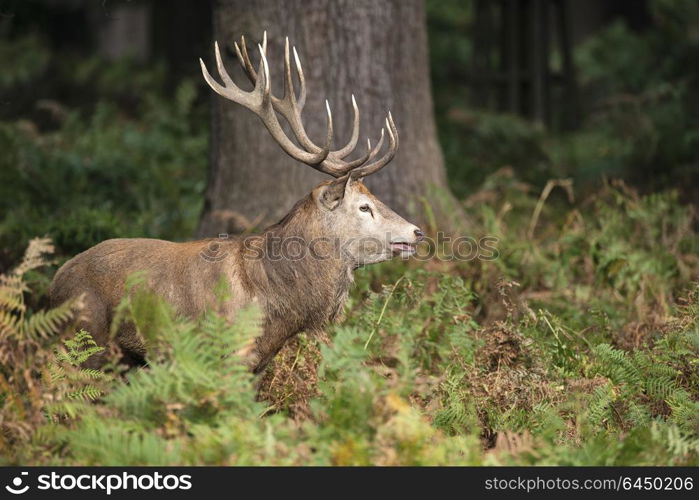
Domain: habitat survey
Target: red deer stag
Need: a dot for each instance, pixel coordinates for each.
(338, 227)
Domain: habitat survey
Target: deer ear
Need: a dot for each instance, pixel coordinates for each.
(333, 194)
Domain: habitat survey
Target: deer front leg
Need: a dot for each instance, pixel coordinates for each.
(266, 346)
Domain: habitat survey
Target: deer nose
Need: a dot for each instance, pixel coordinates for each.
(419, 235)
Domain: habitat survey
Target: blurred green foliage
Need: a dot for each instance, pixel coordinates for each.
(29, 57)
(578, 345)
(638, 99)
(133, 147)
(130, 163)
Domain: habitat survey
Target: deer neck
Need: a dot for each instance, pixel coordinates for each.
(308, 279)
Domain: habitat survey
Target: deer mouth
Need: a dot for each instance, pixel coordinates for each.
(402, 248)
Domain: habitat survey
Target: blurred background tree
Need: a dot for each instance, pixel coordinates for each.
(374, 50)
(104, 116)
(635, 92)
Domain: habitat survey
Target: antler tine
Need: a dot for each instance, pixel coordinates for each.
(263, 103)
(297, 107)
(341, 170)
(241, 52)
(259, 101)
(288, 81)
(290, 108)
(349, 147)
(266, 85)
(269, 118)
(329, 138)
(376, 150)
(233, 93)
(371, 168)
(301, 101)
(362, 159)
(227, 81)
(245, 59)
(366, 157)
(287, 106)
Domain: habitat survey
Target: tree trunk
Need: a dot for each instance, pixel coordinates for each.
(122, 30)
(376, 50)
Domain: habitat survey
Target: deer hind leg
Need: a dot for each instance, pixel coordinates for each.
(131, 345)
(269, 344)
(95, 318)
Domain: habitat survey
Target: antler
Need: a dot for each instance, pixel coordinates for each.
(265, 105)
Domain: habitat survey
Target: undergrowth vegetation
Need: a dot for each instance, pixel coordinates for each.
(636, 106)
(578, 345)
(131, 163)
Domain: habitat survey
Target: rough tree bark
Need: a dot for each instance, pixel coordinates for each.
(374, 49)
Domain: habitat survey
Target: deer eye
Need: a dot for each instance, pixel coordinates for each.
(365, 208)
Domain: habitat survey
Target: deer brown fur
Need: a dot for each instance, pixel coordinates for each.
(336, 228)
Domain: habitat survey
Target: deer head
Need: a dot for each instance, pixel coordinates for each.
(344, 208)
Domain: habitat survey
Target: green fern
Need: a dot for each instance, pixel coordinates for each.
(599, 411)
(456, 415)
(71, 384)
(16, 326)
(24, 337)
